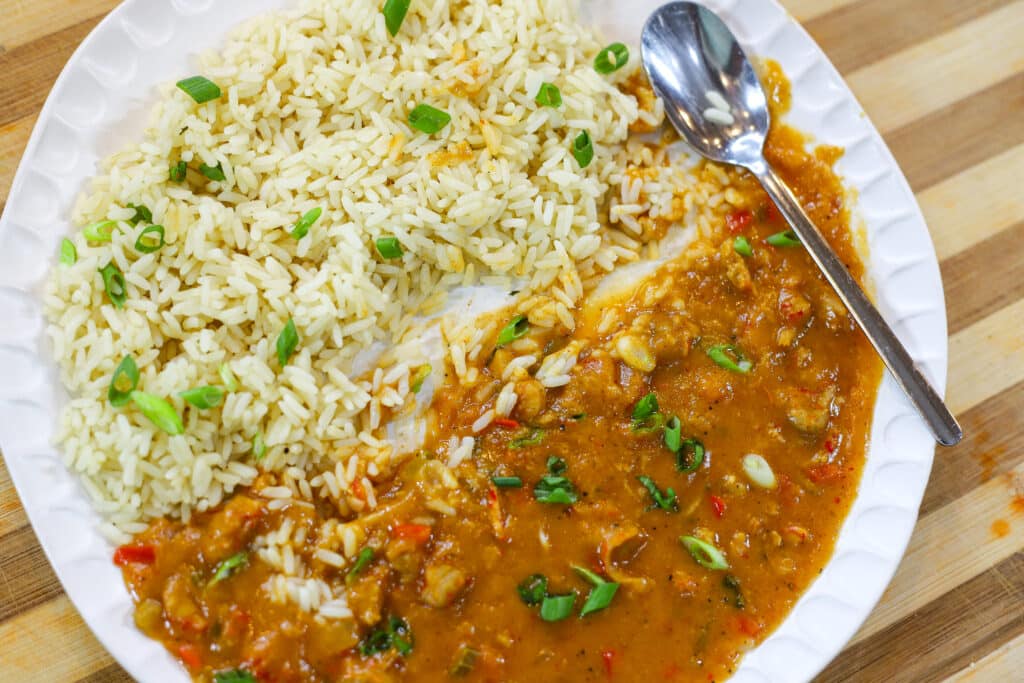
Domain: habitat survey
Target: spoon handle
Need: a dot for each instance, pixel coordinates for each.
(928, 403)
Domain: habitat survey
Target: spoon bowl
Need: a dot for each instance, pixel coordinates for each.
(715, 101)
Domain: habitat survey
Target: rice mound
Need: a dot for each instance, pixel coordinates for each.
(314, 114)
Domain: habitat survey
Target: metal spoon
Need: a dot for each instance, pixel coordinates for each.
(713, 98)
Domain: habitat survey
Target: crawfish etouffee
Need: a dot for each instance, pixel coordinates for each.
(648, 490)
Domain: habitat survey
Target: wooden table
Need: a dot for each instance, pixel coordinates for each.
(944, 82)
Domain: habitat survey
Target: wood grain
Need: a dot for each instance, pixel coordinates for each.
(944, 81)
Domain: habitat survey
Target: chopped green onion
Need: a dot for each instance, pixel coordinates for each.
(507, 482)
(394, 15)
(557, 607)
(758, 471)
(645, 407)
(741, 245)
(177, 172)
(286, 342)
(363, 560)
(395, 633)
(516, 328)
(204, 397)
(389, 248)
(146, 244)
(159, 412)
(123, 382)
(465, 660)
(599, 598)
(419, 376)
(673, 434)
(786, 238)
(583, 149)
(114, 284)
(611, 58)
(533, 589)
(665, 501)
(731, 358)
(578, 416)
(535, 436)
(592, 577)
(227, 377)
(234, 676)
(200, 89)
(555, 490)
(102, 231)
(229, 566)
(685, 463)
(733, 584)
(556, 465)
(301, 228)
(259, 447)
(212, 172)
(649, 425)
(549, 96)
(427, 119)
(142, 213)
(68, 253)
(704, 554)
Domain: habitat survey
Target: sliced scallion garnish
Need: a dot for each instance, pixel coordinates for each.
(704, 554)
(646, 407)
(583, 149)
(123, 382)
(673, 434)
(114, 284)
(286, 342)
(557, 607)
(159, 412)
(611, 58)
(389, 248)
(418, 377)
(142, 214)
(229, 566)
(102, 231)
(533, 589)
(507, 482)
(549, 96)
(741, 245)
(394, 15)
(68, 253)
(600, 595)
(786, 238)
(213, 172)
(147, 244)
(302, 227)
(427, 119)
(259, 447)
(533, 438)
(666, 501)
(689, 456)
(227, 377)
(515, 329)
(234, 676)
(177, 172)
(731, 583)
(363, 560)
(204, 397)
(730, 357)
(200, 89)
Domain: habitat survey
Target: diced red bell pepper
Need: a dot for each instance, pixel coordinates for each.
(748, 625)
(824, 473)
(718, 506)
(608, 659)
(417, 533)
(738, 221)
(506, 422)
(189, 654)
(134, 554)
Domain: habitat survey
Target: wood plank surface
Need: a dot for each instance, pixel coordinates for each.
(944, 82)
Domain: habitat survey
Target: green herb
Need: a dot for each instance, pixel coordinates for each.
(557, 607)
(234, 676)
(741, 245)
(200, 89)
(114, 284)
(535, 436)
(516, 328)
(786, 238)
(549, 96)
(731, 358)
(102, 231)
(146, 244)
(686, 463)
(592, 577)
(286, 342)
(229, 566)
(507, 482)
(611, 58)
(68, 253)
(579, 416)
(204, 397)
(389, 248)
(259, 447)
(704, 554)
(673, 434)
(394, 15)
(465, 660)
(301, 228)
(419, 376)
(395, 633)
(555, 490)
(427, 119)
(733, 584)
(123, 382)
(363, 560)
(159, 412)
(212, 172)
(665, 501)
(227, 377)
(599, 598)
(142, 213)
(556, 465)
(583, 149)
(533, 589)
(645, 407)
(177, 172)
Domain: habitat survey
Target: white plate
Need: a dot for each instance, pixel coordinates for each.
(100, 101)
